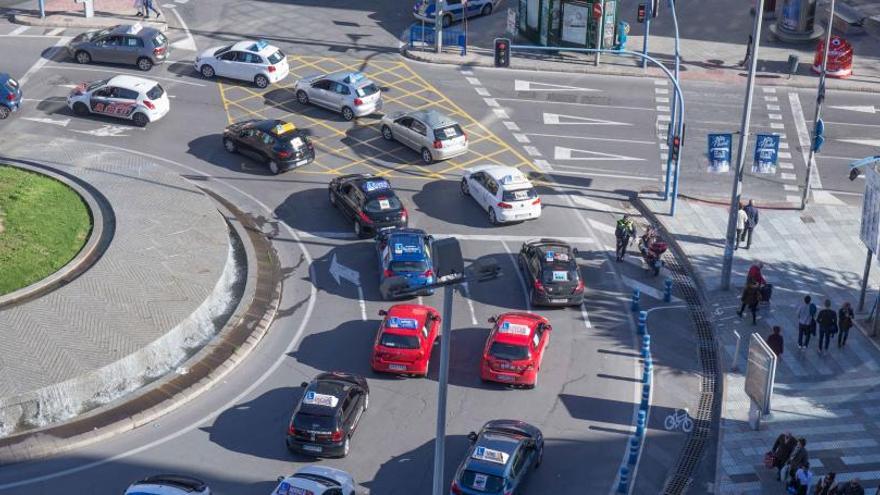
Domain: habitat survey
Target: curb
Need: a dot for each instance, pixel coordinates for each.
(207, 367)
(102, 231)
(100, 20)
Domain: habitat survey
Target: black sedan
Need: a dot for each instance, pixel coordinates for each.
(369, 203)
(551, 273)
(276, 143)
(327, 414)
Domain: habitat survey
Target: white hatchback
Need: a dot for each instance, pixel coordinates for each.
(503, 191)
(254, 61)
(169, 484)
(316, 480)
(126, 97)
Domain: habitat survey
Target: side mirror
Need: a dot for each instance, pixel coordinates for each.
(492, 319)
(472, 436)
(304, 384)
(382, 312)
(279, 479)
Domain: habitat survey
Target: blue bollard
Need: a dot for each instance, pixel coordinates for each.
(649, 363)
(643, 322)
(646, 376)
(641, 417)
(622, 486)
(637, 295)
(633, 451)
(667, 293)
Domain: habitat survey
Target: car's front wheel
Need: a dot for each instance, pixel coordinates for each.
(83, 57)
(347, 113)
(140, 119)
(386, 133)
(4, 112)
(465, 190)
(80, 108)
(302, 97)
(144, 64)
(261, 81)
(207, 71)
(229, 145)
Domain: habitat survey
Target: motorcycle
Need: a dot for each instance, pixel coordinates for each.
(652, 249)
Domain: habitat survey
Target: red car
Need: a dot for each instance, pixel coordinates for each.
(515, 349)
(405, 339)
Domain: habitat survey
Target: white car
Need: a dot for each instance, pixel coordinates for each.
(255, 61)
(126, 97)
(316, 480)
(503, 191)
(169, 484)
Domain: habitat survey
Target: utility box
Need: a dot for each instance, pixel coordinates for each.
(89, 7)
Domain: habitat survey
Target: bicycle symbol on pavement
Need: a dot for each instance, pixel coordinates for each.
(679, 419)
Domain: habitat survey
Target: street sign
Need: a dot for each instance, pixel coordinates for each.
(719, 153)
(869, 232)
(819, 136)
(511, 21)
(766, 154)
(760, 372)
(641, 12)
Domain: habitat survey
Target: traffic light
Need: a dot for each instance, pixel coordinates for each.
(673, 150)
(502, 52)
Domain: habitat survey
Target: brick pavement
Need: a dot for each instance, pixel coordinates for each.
(831, 400)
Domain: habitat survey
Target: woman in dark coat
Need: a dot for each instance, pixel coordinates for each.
(751, 296)
(782, 450)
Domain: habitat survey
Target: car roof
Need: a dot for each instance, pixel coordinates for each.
(416, 312)
(260, 47)
(509, 178)
(516, 328)
(431, 118)
(170, 484)
(136, 29)
(272, 126)
(343, 76)
(132, 82)
(372, 186)
(412, 245)
(556, 252)
(490, 442)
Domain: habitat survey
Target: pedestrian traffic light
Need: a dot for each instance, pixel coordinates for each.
(502, 52)
(673, 150)
(641, 12)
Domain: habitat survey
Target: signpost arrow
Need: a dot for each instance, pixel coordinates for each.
(859, 108)
(338, 270)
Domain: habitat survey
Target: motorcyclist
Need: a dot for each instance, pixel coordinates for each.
(625, 232)
(647, 238)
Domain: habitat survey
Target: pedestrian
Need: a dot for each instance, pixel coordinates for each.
(751, 222)
(851, 487)
(824, 486)
(751, 296)
(799, 456)
(625, 232)
(782, 448)
(844, 322)
(148, 6)
(803, 479)
(775, 341)
(139, 5)
(756, 274)
(741, 219)
(827, 321)
(806, 322)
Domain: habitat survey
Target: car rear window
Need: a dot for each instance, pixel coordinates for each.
(448, 132)
(510, 352)
(159, 39)
(276, 57)
(397, 341)
(156, 92)
(481, 482)
(520, 195)
(314, 422)
(409, 266)
(382, 204)
(367, 90)
(559, 274)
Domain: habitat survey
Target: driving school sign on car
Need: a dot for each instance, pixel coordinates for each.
(766, 154)
(719, 153)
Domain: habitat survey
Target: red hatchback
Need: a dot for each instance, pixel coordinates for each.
(405, 339)
(515, 349)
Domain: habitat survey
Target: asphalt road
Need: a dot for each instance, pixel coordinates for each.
(586, 140)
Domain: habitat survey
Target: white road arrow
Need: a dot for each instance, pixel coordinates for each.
(338, 271)
(559, 119)
(44, 120)
(864, 142)
(106, 131)
(561, 153)
(539, 86)
(859, 108)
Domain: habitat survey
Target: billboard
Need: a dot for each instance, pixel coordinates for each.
(760, 373)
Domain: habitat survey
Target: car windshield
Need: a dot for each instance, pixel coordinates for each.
(520, 195)
(156, 92)
(398, 341)
(97, 34)
(159, 39)
(367, 90)
(223, 50)
(481, 482)
(276, 57)
(96, 84)
(314, 422)
(448, 132)
(409, 266)
(382, 204)
(558, 274)
(510, 352)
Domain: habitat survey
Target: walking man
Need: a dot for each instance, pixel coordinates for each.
(844, 322)
(827, 321)
(148, 6)
(741, 218)
(751, 222)
(806, 321)
(751, 296)
(799, 456)
(782, 450)
(775, 341)
(625, 232)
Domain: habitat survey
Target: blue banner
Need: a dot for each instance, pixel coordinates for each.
(719, 153)
(766, 154)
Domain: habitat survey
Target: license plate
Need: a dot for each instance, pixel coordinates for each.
(389, 227)
(301, 162)
(312, 448)
(505, 378)
(558, 300)
(397, 367)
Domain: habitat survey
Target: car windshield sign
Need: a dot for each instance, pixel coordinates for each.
(284, 128)
(259, 45)
(560, 276)
(490, 455)
(405, 323)
(551, 256)
(514, 328)
(286, 488)
(135, 28)
(513, 178)
(376, 185)
(400, 248)
(316, 399)
(354, 78)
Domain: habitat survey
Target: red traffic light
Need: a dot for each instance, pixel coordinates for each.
(676, 141)
(502, 46)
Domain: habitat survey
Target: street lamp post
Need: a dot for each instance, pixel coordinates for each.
(727, 264)
(438, 24)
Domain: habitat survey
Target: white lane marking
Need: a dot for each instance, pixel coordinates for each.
(522, 138)
(664, 146)
(362, 303)
(563, 153)
(777, 125)
(783, 145)
(773, 108)
(852, 123)
(864, 142)
(775, 116)
(786, 166)
(660, 82)
(858, 108)
(531, 150)
(181, 1)
(18, 30)
(792, 198)
(519, 85)
(826, 198)
(662, 108)
(44, 59)
(522, 281)
(785, 155)
(491, 102)
(543, 166)
(787, 176)
(511, 126)
(310, 306)
(117, 71)
(804, 138)
(771, 98)
(592, 204)
(661, 91)
(339, 271)
(188, 43)
(46, 120)
(611, 176)
(474, 81)
(466, 290)
(108, 130)
(465, 72)
(569, 104)
(461, 237)
(421, 300)
(500, 113)
(55, 32)
(664, 117)
(767, 89)
(646, 289)
(585, 316)
(601, 227)
(790, 187)
(482, 91)
(661, 99)
(560, 119)
(588, 138)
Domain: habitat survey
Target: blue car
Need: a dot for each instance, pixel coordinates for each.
(499, 459)
(425, 10)
(10, 95)
(406, 253)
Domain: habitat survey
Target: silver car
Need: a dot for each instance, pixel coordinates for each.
(349, 93)
(434, 135)
(124, 44)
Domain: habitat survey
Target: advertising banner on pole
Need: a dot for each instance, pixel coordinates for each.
(760, 373)
(766, 154)
(869, 232)
(719, 153)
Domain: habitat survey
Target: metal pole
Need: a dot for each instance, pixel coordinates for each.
(727, 266)
(42, 9)
(820, 97)
(649, 12)
(600, 29)
(440, 438)
(438, 24)
(672, 106)
(865, 280)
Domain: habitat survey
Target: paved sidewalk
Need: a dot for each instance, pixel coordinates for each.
(70, 13)
(713, 43)
(831, 400)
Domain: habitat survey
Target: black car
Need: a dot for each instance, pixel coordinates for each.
(278, 144)
(551, 273)
(327, 414)
(369, 202)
